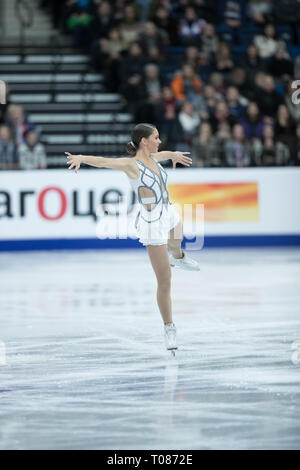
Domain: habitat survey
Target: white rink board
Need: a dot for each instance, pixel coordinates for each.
(278, 198)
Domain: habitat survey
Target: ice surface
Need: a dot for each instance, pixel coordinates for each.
(83, 363)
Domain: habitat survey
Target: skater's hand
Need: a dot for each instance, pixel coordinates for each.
(73, 160)
(180, 157)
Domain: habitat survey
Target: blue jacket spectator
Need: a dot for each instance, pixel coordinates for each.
(190, 28)
(252, 122)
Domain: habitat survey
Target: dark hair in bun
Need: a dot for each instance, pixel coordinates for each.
(139, 131)
(131, 148)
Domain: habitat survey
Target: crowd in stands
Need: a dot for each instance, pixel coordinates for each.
(20, 148)
(215, 76)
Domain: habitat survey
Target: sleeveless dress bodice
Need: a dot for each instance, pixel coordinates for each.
(149, 179)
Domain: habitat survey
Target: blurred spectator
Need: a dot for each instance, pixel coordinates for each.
(203, 102)
(130, 27)
(211, 97)
(171, 131)
(152, 80)
(8, 153)
(259, 80)
(205, 149)
(258, 86)
(192, 57)
(216, 80)
(240, 80)
(189, 120)
(281, 66)
(106, 55)
(209, 42)
(103, 21)
(110, 48)
(285, 128)
(223, 135)
(268, 152)
(221, 115)
(79, 23)
(32, 154)
(190, 28)
(165, 22)
(252, 122)
(144, 9)
(238, 150)
(224, 62)
(232, 14)
(119, 8)
(260, 11)
(168, 98)
(156, 57)
(134, 92)
(186, 84)
(268, 98)
(153, 38)
(267, 43)
(236, 104)
(252, 62)
(134, 62)
(151, 109)
(287, 11)
(198, 61)
(15, 119)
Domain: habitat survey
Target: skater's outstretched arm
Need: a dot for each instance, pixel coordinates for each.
(123, 164)
(176, 157)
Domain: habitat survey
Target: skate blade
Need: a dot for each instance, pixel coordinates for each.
(186, 268)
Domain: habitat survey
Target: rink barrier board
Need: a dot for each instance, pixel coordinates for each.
(56, 209)
(94, 243)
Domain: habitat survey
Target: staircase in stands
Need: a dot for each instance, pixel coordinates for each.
(66, 101)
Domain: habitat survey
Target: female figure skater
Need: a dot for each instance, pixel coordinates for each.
(158, 224)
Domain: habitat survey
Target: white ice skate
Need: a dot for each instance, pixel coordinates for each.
(170, 337)
(184, 263)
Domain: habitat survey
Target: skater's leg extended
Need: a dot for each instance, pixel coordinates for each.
(160, 262)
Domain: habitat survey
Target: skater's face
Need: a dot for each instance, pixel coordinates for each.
(153, 141)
